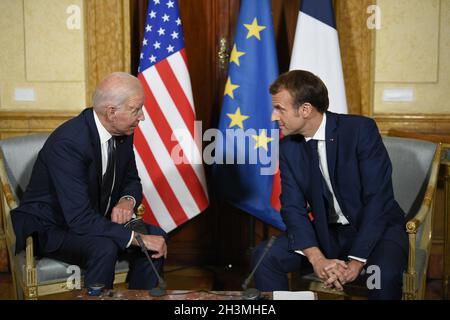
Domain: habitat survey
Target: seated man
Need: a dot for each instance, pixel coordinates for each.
(84, 187)
(338, 166)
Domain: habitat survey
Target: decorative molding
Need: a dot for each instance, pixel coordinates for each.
(37, 114)
(107, 40)
(357, 51)
(357, 43)
(420, 123)
(23, 123)
(107, 43)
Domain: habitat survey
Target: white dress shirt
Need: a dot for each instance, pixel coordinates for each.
(323, 165)
(104, 138)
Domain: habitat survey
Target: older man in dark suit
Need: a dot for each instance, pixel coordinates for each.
(85, 186)
(338, 166)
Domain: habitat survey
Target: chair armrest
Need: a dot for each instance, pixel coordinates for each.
(6, 188)
(423, 217)
(30, 267)
(11, 203)
(413, 225)
(140, 211)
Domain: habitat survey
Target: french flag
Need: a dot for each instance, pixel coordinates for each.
(316, 49)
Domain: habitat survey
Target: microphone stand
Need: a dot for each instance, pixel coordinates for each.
(253, 293)
(160, 290)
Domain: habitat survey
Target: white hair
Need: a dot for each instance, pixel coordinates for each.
(115, 90)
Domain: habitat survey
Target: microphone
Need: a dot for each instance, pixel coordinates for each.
(253, 293)
(138, 226)
(160, 290)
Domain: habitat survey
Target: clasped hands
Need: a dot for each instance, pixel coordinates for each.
(122, 213)
(336, 273)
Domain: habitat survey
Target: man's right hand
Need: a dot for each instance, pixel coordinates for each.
(157, 244)
(330, 271)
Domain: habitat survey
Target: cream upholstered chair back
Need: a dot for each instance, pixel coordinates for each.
(411, 162)
(19, 156)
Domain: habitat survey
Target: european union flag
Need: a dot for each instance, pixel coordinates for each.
(248, 149)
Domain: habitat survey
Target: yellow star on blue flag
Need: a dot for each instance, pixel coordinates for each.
(254, 29)
(262, 140)
(235, 55)
(237, 119)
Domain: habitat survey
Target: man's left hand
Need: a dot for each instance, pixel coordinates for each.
(353, 271)
(122, 212)
(335, 276)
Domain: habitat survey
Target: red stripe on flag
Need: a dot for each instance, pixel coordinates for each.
(165, 132)
(177, 94)
(149, 216)
(183, 54)
(159, 179)
(276, 186)
(276, 191)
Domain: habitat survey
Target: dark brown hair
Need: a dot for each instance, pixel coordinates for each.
(304, 87)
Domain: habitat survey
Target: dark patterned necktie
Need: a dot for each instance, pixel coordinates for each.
(318, 182)
(108, 178)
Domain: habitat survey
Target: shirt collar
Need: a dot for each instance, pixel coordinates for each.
(102, 132)
(320, 133)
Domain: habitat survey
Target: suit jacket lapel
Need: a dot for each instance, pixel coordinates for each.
(331, 138)
(95, 141)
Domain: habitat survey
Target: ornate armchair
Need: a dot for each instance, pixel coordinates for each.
(415, 174)
(415, 166)
(32, 276)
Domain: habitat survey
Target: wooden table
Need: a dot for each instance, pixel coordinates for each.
(125, 294)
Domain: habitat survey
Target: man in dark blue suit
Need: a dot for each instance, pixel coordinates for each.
(84, 187)
(337, 198)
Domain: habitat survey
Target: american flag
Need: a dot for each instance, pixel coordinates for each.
(174, 188)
